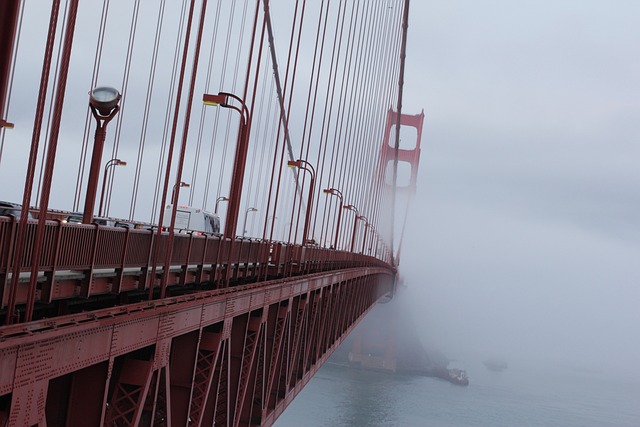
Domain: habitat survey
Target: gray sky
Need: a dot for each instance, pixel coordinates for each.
(525, 229)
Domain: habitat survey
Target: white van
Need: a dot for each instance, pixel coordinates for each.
(192, 219)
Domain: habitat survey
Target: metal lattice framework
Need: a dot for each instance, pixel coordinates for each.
(237, 358)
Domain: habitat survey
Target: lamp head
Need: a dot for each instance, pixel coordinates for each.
(214, 100)
(104, 99)
(293, 163)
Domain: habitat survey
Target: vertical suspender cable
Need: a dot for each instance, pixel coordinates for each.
(87, 121)
(51, 102)
(174, 128)
(125, 85)
(51, 155)
(167, 118)
(12, 14)
(403, 55)
(183, 148)
(33, 155)
(147, 108)
(203, 115)
(284, 120)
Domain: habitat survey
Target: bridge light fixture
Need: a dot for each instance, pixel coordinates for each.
(240, 160)
(306, 166)
(355, 224)
(335, 192)
(218, 200)
(104, 99)
(366, 225)
(246, 214)
(103, 102)
(215, 100)
(110, 163)
(174, 194)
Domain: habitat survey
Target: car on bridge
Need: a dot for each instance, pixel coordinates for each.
(76, 218)
(192, 219)
(13, 209)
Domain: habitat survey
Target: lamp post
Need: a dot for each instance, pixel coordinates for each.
(306, 166)
(271, 219)
(364, 234)
(218, 200)
(336, 192)
(112, 162)
(372, 230)
(175, 193)
(103, 102)
(240, 160)
(246, 214)
(355, 224)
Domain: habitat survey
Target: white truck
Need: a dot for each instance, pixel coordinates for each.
(192, 219)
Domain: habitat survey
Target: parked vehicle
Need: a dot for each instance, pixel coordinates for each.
(76, 218)
(14, 209)
(192, 219)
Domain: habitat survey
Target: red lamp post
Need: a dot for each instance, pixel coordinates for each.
(218, 200)
(336, 192)
(240, 160)
(174, 193)
(355, 224)
(103, 102)
(112, 162)
(246, 215)
(364, 234)
(306, 166)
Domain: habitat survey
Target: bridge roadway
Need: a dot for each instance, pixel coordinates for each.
(243, 329)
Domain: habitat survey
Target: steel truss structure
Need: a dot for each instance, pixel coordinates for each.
(232, 357)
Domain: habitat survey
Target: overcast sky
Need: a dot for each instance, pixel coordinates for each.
(525, 229)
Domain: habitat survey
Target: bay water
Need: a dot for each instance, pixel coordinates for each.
(521, 395)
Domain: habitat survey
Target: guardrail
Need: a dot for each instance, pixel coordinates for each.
(79, 261)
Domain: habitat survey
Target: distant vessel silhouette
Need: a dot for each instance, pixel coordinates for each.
(495, 365)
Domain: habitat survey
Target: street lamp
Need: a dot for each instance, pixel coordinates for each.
(306, 166)
(355, 224)
(364, 234)
(175, 193)
(112, 162)
(271, 222)
(240, 160)
(373, 232)
(103, 102)
(246, 214)
(218, 200)
(336, 192)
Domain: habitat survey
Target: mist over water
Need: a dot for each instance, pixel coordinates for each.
(490, 285)
(534, 396)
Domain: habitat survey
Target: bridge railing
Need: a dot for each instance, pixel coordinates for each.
(84, 260)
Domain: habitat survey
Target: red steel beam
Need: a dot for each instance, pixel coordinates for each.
(9, 10)
(200, 356)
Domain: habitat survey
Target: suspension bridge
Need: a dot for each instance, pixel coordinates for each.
(198, 202)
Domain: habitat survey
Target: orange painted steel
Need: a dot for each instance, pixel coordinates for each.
(247, 350)
(80, 264)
